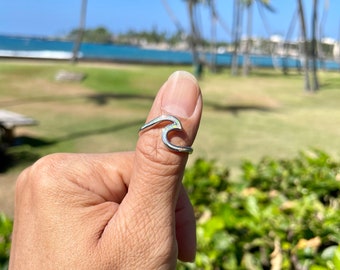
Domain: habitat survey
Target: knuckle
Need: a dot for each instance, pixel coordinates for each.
(158, 156)
(44, 173)
(40, 181)
(22, 181)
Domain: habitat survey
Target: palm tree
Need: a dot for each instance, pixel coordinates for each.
(315, 81)
(213, 21)
(286, 41)
(81, 30)
(304, 45)
(215, 18)
(237, 25)
(246, 55)
(195, 37)
(173, 16)
(321, 54)
(239, 6)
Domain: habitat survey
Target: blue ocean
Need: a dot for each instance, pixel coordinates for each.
(42, 48)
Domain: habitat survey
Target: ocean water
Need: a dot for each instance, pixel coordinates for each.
(31, 47)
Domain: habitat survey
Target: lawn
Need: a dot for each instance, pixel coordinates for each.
(266, 114)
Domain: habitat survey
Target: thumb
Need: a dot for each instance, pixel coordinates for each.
(144, 229)
(158, 171)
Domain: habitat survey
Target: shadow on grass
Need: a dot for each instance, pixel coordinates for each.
(21, 158)
(235, 109)
(271, 73)
(32, 100)
(23, 152)
(103, 99)
(99, 99)
(330, 84)
(32, 142)
(110, 129)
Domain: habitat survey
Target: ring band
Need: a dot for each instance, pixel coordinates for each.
(175, 125)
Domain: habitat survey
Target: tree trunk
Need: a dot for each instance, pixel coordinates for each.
(213, 36)
(315, 81)
(246, 55)
(193, 36)
(286, 45)
(236, 35)
(321, 53)
(173, 16)
(81, 29)
(305, 46)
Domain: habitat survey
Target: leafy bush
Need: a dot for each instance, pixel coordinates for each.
(5, 240)
(281, 214)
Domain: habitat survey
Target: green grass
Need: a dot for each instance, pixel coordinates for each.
(278, 118)
(244, 118)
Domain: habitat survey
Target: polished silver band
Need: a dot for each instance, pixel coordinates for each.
(175, 125)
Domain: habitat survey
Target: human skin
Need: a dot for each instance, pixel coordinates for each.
(124, 210)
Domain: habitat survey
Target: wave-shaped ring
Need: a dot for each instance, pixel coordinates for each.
(175, 125)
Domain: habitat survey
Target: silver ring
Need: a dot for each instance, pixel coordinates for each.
(175, 125)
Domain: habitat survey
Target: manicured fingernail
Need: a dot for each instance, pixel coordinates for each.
(181, 94)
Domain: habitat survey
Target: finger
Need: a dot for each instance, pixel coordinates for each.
(158, 171)
(148, 210)
(185, 228)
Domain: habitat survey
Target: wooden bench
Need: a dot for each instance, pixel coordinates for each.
(8, 122)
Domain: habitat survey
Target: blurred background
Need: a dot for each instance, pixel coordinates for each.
(81, 76)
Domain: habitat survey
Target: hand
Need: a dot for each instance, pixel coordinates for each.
(112, 211)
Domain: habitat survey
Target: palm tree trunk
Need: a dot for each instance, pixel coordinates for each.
(246, 55)
(321, 53)
(236, 35)
(81, 30)
(172, 16)
(213, 35)
(286, 44)
(193, 36)
(305, 46)
(315, 81)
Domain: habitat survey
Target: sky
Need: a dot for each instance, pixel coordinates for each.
(58, 18)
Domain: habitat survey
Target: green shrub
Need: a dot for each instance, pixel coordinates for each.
(5, 240)
(282, 213)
